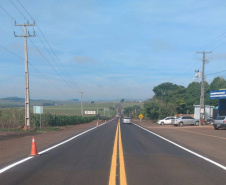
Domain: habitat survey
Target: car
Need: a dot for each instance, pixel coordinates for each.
(167, 120)
(126, 120)
(219, 122)
(185, 120)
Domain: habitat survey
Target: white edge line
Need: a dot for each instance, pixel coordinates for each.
(190, 151)
(48, 149)
(14, 164)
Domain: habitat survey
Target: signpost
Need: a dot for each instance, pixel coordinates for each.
(141, 116)
(38, 110)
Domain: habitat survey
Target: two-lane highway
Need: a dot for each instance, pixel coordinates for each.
(90, 158)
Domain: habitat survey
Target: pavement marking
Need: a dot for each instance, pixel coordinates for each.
(123, 180)
(46, 150)
(122, 173)
(112, 179)
(190, 151)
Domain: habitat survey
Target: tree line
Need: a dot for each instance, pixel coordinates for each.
(170, 99)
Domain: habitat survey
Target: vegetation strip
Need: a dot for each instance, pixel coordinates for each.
(112, 178)
(190, 151)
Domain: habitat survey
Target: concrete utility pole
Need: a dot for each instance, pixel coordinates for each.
(27, 96)
(81, 103)
(202, 97)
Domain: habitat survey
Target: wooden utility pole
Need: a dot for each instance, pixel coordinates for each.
(81, 103)
(27, 96)
(202, 97)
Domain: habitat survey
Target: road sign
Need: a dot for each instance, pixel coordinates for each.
(141, 116)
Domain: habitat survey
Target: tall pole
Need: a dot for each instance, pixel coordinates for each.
(81, 103)
(202, 96)
(27, 96)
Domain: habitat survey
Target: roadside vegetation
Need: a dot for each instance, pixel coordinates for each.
(170, 99)
(57, 115)
(14, 117)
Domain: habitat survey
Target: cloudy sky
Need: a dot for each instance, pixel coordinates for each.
(110, 49)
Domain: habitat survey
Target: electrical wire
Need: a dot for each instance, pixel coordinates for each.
(18, 10)
(60, 66)
(35, 47)
(22, 60)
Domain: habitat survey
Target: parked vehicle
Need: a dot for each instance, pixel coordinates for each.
(209, 121)
(219, 122)
(126, 120)
(167, 120)
(185, 120)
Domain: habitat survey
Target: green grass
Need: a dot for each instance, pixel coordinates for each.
(11, 130)
(76, 109)
(37, 130)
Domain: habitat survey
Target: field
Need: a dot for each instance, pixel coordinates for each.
(13, 115)
(76, 109)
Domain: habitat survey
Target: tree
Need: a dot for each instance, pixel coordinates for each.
(218, 83)
(168, 92)
(192, 96)
(122, 100)
(155, 110)
(132, 111)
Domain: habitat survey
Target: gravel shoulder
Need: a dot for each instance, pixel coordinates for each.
(16, 146)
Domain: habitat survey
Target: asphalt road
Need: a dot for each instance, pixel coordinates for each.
(87, 160)
(84, 160)
(151, 160)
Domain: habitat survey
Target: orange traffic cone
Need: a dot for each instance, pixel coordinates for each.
(97, 124)
(33, 147)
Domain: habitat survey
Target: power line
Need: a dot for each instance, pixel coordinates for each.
(25, 10)
(7, 13)
(22, 59)
(61, 67)
(67, 76)
(49, 62)
(12, 52)
(216, 72)
(18, 10)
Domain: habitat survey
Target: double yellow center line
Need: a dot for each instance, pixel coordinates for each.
(117, 153)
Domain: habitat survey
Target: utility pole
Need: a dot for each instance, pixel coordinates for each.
(202, 97)
(27, 96)
(81, 103)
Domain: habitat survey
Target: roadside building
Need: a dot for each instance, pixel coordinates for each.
(221, 96)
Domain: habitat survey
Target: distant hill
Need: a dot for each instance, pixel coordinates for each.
(13, 99)
(19, 102)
